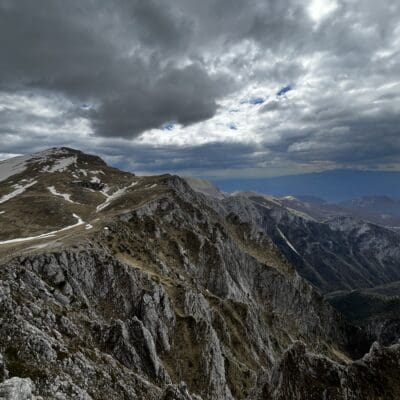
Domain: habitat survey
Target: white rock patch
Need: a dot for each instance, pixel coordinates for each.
(12, 166)
(65, 196)
(62, 164)
(287, 241)
(16, 165)
(18, 190)
(113, 196)
(45, 235)
(16, 389)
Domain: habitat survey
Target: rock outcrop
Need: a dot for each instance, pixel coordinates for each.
(172, 296)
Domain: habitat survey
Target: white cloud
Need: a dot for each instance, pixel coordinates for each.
(320, 9)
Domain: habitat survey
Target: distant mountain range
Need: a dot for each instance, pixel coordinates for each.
(375, 205)
(350, 251)
(335, 185)
(378, 209)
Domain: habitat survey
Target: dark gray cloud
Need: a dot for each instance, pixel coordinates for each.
(200, 67)
(184, 95)
(120, 58)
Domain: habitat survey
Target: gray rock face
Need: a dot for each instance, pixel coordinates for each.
(16, 389)
(3, 369)
(337, 254)
(177, 299)
(304, 375)
(374, 309)
(89, 340)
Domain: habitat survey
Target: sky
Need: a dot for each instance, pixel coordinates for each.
(213, 88)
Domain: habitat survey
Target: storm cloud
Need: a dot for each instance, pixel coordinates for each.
(267, 87)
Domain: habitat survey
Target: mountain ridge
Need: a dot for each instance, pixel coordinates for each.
(156, 299)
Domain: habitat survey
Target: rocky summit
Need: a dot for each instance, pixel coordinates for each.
(115, 286)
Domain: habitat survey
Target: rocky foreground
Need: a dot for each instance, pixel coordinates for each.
(162, 293)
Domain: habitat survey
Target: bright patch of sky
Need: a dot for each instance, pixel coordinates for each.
(225, 126)
(320, 9)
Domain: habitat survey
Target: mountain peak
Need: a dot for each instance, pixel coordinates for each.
(55, 159)
(50, 192)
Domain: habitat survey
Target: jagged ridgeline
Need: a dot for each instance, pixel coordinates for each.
(114, 286)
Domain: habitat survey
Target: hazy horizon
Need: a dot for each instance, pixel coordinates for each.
(331, 185)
